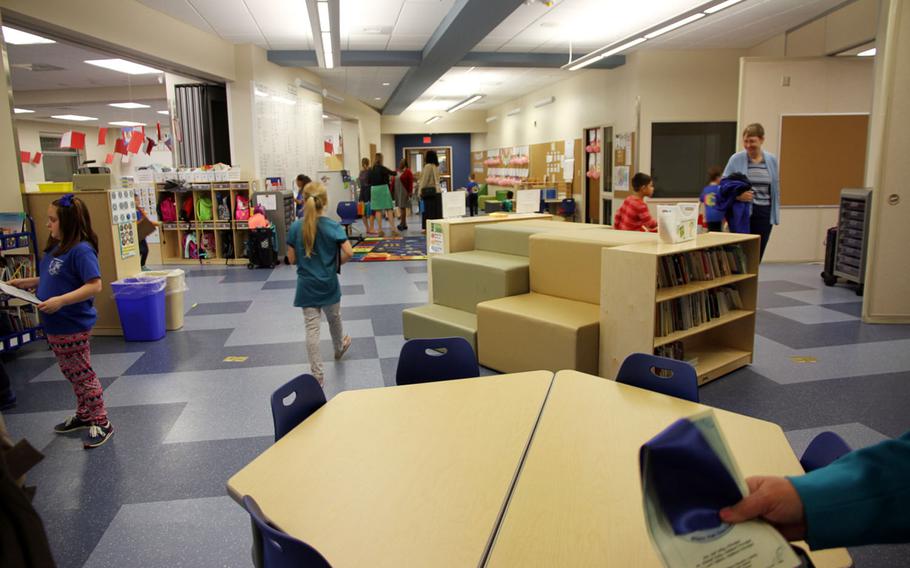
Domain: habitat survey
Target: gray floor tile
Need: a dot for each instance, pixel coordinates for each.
(421, 285)
(812, 315)
(389, 345)
(218, 308)
(416, 269)
(105, 365)
(856, 435)
(855, 309)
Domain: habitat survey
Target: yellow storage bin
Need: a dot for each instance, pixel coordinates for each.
(56, 187)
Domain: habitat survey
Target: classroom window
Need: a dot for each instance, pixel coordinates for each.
(59, 164)
(682, 152)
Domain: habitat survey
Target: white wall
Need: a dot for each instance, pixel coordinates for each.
(818, 85)
(350, 129)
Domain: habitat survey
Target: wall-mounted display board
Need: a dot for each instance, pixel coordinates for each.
(477, 167)
(288, 130)
(812, 173)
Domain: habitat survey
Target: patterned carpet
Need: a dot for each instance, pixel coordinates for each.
(380, 249)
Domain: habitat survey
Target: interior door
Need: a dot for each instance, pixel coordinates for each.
(592, 192)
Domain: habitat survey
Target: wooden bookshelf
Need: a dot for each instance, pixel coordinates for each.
(172, 234)
(630, 311)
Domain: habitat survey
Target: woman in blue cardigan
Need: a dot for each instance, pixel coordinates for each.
(764, 175)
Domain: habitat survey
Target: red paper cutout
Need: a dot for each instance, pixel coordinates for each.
(120, 146)
(25, 157)
(109, 159)
(73, 139)
(102, 136)
(36, 159)
(136, 139)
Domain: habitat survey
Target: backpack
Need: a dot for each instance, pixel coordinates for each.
(167, 210)
(187, 211)
(209, 247)
(243, 208)
(227, 246)
(190, 247)
(204, 209)
(224, 210)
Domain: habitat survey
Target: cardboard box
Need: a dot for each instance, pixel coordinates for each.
(88, 182)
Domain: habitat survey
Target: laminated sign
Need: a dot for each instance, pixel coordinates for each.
(677, 223)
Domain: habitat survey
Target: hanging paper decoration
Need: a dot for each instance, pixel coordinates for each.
(149, 145)
(328, 147)
(36, 159)
(102, 136)
(136, 140)
(109, 159)
(142, 128)
(125, 159)
(25, 157)
(120, 146)
(169, 142)
(158, 128)
(73, 139)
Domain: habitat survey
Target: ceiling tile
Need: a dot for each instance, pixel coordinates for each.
(228, 17)
(180, 10)
(282, 20)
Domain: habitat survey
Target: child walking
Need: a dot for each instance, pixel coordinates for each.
(633, 214)
(318, 246)
(713, 217)
(69, 280)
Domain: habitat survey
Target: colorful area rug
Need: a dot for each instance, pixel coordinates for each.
(380, 249)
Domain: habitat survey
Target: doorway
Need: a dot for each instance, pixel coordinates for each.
(417, 158)
(593, 167)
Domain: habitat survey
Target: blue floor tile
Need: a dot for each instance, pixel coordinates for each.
(218, 308)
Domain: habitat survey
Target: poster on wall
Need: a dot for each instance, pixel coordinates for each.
(123, 207)
(623, 144)
(620, 178)
(436, 240)
(129, 244)
(453, 204)
(528, 201)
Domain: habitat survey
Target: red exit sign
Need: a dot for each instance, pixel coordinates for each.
(427, 140)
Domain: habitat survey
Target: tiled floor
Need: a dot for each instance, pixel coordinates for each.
(186, 419)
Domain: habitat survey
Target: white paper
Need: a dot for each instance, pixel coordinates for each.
(19, 293)
(528, 201)
(453, 204)
(268, 202)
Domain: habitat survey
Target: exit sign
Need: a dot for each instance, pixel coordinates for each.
(427, 140)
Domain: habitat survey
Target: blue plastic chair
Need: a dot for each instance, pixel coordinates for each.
(567, 208)
(277, 549)
(638, 370)
(439, 359)
(822, 450)
(308, 398)
(347, 211)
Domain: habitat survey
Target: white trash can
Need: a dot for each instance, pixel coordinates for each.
(173, 296)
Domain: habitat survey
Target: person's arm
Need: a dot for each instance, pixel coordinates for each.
(346, 252)
(88, 290)
(644, 216)
(24, 283)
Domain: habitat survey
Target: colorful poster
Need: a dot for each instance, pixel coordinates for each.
(436, 242)
(129, 244)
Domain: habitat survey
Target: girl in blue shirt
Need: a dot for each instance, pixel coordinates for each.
(69, 280)
(318, 246)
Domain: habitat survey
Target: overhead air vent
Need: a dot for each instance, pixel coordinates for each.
(37, 67)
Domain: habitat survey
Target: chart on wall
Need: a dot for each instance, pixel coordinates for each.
(289, 138)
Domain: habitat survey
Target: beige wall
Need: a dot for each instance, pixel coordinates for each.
(414, 122)
(10, 177)
(888, 266)
(818, 85)
(852, 25)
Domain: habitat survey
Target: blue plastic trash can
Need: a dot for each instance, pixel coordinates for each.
(140, 303)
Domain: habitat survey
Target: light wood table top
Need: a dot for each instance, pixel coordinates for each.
(405, 476)
(578, 499)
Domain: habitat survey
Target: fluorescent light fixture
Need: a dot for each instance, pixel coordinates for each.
(674, 25)
(386, 84)
(544, 102)
(468, 101)
(721, 6)
(514, 111)
(327, 50)
(867, 53)
(325, 117)
(123, 66)
(332, 97)
(76, 117)
(128, 105)
(259, 93)
(377, 98)
(585, 61)
(126, 123)
(433, 119)
(490, 119)
(324, 23)
(19, 37)
(164, 112)
(22, 111)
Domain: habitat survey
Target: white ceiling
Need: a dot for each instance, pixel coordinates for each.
(104, 113)
(364, 83)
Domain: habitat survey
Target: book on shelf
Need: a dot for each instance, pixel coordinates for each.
(701, 265)
(686, 312)
(16, 266)
(17, 318)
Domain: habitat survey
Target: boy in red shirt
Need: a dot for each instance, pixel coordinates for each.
(633, 215)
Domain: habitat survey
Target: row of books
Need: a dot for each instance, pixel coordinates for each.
(16, 266)
(701, 265)
(17, 318)
(675, 350)
(696, 309)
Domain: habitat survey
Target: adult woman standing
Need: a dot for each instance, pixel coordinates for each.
(761, 168)
(364, 197)
(301, 181)
(381, 198)
(429, 189)
(404, 187)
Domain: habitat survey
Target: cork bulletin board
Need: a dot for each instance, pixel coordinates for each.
(820, 155)
(477, 167)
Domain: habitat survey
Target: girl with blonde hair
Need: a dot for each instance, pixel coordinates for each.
(319, 246)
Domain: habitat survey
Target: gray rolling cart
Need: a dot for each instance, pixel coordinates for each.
(852, 237)
(281, 210)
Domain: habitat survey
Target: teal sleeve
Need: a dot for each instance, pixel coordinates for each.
(340, 235)
(862, 498)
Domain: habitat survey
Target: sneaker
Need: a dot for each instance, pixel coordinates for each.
(97, 435)
(345, 344)
(71, 424)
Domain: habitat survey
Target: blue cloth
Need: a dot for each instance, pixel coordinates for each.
(709, 198)
(300, 206)
(862, 498)
(317, 279)
(737, 213)
(691, 483)
(470, 187)
(62, 274)
(739, 163)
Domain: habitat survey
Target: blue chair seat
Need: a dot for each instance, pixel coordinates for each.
(660, 374)
(822, 450)
(273, 548)
(439, 359)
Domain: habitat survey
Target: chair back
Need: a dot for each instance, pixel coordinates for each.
(439, 359)
(660, 374)
(347, 211)
(277, 549)
(568, 207)
(822, 450)
(308, 398)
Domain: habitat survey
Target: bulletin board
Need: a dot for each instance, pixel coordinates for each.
(623, 160)
(477, 168)
(820, 155)
(545, 160)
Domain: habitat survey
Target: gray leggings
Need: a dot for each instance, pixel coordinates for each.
(313, 317)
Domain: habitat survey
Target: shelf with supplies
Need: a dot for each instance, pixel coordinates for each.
(852, 235)
(198, 222)
(692, 301)
(19, 320)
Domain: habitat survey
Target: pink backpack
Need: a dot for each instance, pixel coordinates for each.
(242, 212)
(190, 247)
(168, 210)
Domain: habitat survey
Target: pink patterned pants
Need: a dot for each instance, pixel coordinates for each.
(74, 356)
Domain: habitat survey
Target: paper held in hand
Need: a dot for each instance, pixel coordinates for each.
(19, 293)
(687, 476)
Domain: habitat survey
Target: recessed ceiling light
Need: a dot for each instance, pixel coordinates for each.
(126, 123)
(490, 119)
(867, 53)
(123, 66)
(328, 54)
(128, 105)
(372, 30)
(514, 111)
(19, 37)
(76, 117)
(323, 10)
(470, 100)
(22, 111)
(164, 112)
(377, 99)
(386, 84)
(325, 116)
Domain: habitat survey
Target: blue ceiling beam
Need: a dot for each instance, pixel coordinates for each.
(294, 58)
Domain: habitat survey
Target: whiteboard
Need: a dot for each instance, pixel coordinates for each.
(453, 204)
(288, 130)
